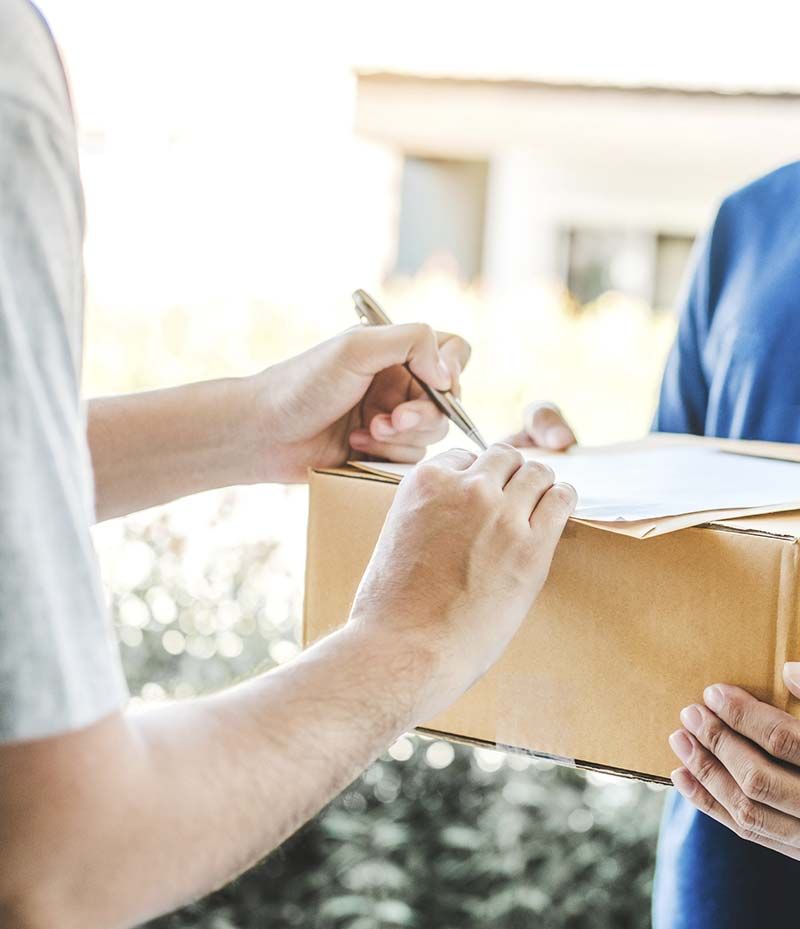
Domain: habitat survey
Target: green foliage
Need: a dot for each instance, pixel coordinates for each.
(431, 836)
(447, 849)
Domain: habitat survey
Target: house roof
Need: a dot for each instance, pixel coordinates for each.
(408, 80)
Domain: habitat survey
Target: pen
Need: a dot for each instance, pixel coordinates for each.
(370, 313)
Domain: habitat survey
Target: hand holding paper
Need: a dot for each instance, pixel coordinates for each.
(463, 554)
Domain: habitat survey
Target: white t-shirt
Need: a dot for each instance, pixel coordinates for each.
(59, 669)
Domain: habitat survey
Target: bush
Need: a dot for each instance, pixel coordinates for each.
(411, 845)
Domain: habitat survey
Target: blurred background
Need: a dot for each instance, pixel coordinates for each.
(530, 175)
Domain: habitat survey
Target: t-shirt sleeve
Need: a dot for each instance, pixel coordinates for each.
(684, 390)
(59, 668)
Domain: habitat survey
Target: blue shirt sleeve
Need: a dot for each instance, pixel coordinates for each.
(684, 388)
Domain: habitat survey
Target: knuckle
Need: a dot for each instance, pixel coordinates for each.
(705, 769)
(756, 783)
(747, 815)
(425, 333)
(703, 801)
(479, 490)
(782, 740)
(539, 471)
(427, 477)
(735, 713)
(713, 733)
(511, 526)
(454, 345)
(508, 451)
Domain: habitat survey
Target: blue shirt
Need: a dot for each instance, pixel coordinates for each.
(734, 371)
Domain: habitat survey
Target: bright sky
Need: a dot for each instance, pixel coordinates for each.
(713, 43)
(228, 155)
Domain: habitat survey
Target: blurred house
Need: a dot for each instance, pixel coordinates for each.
(602, 187)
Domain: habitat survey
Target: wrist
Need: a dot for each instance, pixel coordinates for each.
(404, 668)
(250, 444)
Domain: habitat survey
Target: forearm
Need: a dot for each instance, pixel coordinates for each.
(152, 447)
(195, 792)
(267, 756)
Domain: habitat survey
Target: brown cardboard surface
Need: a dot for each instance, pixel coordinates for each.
(624, 634)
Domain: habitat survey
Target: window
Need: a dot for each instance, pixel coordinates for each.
(637, 262)
(442, 211)
(672, 260)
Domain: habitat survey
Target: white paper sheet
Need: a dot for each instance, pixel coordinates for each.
(642, 484)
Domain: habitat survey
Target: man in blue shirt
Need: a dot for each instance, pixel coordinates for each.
(734, 371)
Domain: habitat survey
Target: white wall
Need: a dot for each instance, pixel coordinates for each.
(582, 157)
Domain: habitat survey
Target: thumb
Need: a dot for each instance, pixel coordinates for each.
(370, 349)
(791, 677)
(547, 427)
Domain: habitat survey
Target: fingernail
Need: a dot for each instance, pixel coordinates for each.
(359, 440)
(714, 698)
(682, 781)
(558, 437)
(571, 489)
(384, 429)
(791, 673)
(680, 744)
(407, 419)
(691, 718)
(444, 375)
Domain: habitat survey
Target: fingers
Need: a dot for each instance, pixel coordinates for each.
(690, 789)
(367, 350)
(412, 425)
(528, 489)
(527, 486)
(775, 731)
(499, 462)
(455, 459)
(729, 747)
(455, 353)
(520, 440)
(757, 775)
(753, 820)
(413, 418)
(553, 510)
(546, 427)
(364, 444)
(549, 518)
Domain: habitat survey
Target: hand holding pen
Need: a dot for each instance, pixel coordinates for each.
(370, 313)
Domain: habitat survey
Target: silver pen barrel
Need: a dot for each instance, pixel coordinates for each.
(370, 312)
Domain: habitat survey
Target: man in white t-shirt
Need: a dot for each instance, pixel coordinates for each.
(98, 807)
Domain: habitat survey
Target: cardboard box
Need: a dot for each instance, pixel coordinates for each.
(625, 633)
